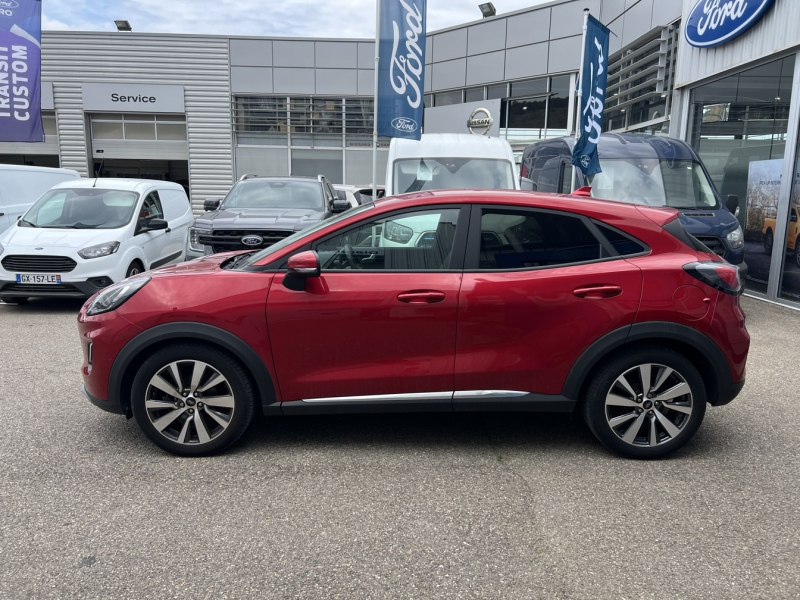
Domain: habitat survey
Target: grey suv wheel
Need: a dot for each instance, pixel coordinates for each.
(192, 399)
(646, 403)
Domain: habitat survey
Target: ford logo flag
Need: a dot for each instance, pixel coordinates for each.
(401, 70)
(714, 22)
(594, 74)
(20, 71)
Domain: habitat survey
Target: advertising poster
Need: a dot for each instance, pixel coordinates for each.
(20, 71)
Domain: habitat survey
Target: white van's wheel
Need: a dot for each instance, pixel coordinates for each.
(135, 268)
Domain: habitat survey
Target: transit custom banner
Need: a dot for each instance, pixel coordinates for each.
(594, 74)
(401, 69)
(20, 71)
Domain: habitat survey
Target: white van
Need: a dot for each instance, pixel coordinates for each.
(84, 235)
(21, 186)
(450, 161)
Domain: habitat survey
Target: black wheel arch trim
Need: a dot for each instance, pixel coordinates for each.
(726, 391)
(183, 330)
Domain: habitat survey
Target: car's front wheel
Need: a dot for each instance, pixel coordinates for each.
(192, 399)
(645, 403)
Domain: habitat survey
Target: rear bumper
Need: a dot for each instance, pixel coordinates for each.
(729, 393)
(742, 270)
(106, 405)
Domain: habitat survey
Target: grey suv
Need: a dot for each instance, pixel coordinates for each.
(259, 211)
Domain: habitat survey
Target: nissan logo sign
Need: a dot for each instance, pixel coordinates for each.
(480, 119)
(252, 240)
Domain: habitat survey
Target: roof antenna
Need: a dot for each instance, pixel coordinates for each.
(97, 171)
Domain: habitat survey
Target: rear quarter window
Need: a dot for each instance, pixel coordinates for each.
(624, 244)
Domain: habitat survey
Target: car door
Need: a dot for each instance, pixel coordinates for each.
(153, 243)
(379, 324)
(539, 287)
(177, 212)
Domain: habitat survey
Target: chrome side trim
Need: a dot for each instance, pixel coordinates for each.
(488, 394)
(385, 397)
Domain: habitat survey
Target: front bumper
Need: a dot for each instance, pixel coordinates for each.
(71, 289)
(106, 405)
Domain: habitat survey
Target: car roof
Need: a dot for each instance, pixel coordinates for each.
(450, 145)
(280, 178)
(33, 169)
(121, 184)
(562, 202)
(639, 145)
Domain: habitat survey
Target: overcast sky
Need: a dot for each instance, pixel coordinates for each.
(303, 18)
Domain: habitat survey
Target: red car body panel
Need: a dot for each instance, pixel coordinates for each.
(524, 330)
(348, 333)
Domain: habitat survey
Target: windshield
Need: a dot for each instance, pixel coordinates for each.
(81, 208)
(257, 256)
(654, 182)
(417, 174)
(275, 194)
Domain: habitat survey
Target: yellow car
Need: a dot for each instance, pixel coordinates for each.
(792, 242)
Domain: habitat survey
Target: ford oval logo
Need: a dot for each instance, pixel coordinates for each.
(8, 4)
(252, 240)
(714, 22)
(405, 124)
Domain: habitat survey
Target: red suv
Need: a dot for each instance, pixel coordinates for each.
(435, 301)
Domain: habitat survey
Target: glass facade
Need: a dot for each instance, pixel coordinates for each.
(738, 125)
(307, 136)
(790, 272)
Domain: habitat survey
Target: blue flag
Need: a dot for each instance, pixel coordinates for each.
(401, 70)
(20, 71)
(593, 86)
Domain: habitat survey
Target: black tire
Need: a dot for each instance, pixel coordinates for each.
(237, 384)
(768, 242)
(134, 269)
(599, 415)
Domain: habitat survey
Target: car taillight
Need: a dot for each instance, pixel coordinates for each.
(721, 276)
(524, 170)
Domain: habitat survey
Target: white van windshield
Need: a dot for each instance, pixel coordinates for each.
(418, 174)
(82, 208)
(653, 182)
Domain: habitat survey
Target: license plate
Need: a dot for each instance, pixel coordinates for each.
(37, 278)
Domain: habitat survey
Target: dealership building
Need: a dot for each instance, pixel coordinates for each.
(203, 110)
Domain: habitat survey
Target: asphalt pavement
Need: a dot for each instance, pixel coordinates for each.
(411, 506)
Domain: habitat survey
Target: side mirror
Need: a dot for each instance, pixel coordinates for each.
(339, 206)
(732, 203)
(157, 225)
(305, 264)
(211, 204)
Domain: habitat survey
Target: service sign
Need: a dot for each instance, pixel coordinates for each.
(20, 71)
(714, 22)
(401, 70)
(130, 97)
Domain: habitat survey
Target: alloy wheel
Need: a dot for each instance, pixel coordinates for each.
(189, 402)
(649, 405)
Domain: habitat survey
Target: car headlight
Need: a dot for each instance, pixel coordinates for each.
(1, 248)
(736, 238)
(99, 250)
(194, 238)
(114, 296)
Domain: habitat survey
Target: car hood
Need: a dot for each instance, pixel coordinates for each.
(16, 238)
(716, 222)
(291, 219)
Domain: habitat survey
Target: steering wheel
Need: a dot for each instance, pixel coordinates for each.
(351, 258)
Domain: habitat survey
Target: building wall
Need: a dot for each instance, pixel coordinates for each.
(776, 31)
(199, 63)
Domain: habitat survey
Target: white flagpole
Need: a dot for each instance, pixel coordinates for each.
(375, 102)
(577, 118)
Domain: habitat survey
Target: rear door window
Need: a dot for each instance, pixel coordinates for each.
(512, 238)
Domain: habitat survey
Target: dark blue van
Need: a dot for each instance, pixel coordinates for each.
(648, 170)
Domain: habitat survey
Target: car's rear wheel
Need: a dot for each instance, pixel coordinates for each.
(768, 241)
(192, 399)
(645, 403)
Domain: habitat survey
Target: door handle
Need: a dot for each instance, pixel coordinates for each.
(421, 297)
(597, 291)
(167, 230)
(2, 214)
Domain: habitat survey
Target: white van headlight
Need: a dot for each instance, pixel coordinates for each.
(1, 248)
(99, 250)
(736, 238)
(114, 296)
(194, 238)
